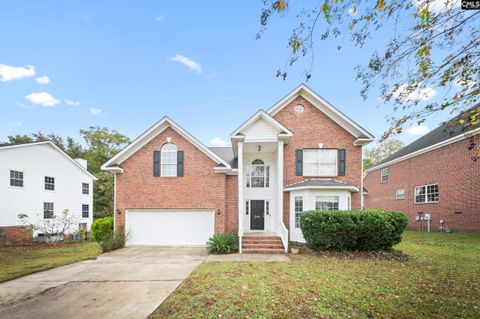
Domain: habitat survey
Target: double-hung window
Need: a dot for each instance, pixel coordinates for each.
(400, 193)
(326, 202)
(258, 174)
(320, 162)
(298, 210)
(426, 194)
(384, 175)
(85, 188)
(85, 210)
(16, 178)
(169, 160)
(48, 210)
(49, 183)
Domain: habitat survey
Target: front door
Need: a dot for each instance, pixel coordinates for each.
(257, 215)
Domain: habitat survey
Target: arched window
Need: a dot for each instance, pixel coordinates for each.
(169, 159)
(258, 174)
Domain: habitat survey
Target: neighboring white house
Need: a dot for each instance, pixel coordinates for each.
(39, 179)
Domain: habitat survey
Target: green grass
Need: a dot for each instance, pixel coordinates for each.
(24, 260)
(438, 278)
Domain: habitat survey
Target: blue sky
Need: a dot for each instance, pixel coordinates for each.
(125, 64)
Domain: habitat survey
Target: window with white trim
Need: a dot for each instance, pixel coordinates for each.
(426, 194)
(85, 210)
(258, 174)
(47, 210)
(400, 193)
(384, 175)
(49, 183)
(85, 188)
(169, 160)
(16, 178)
(327, 202)
(298, 210)
(320, 162)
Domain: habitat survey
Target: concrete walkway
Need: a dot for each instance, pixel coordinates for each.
(127, 283)
(248, 258)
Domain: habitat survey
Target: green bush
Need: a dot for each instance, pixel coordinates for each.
(101, 227)
(112, 241)
(225, 243)
(353, 230)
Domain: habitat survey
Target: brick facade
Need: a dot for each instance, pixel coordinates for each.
(458, 178)
(16, 235)
(310, 128)
(199, 188)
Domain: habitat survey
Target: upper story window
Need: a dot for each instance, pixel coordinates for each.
(426, 194)
(320, 162)
(298, 210)
(47, 210)
(169, 160)
(85, 210)
(400, 193)
(16, 178)
(258, 174)
(49, 183)
(299, 108)
(384, 175)
(326, 202)
(85, 188)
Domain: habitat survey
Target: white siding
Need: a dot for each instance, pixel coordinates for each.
(36, 162)
(261, 130)
(309, 204)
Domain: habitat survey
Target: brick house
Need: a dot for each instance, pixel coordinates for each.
(299, 155)
(434, 176)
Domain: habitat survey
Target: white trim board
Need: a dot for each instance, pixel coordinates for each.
(150, 134)
(268, 118)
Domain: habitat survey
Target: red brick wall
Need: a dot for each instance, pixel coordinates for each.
(310, 128)
(231, 195)
(199, 188)
(458, 178)
(16, 234)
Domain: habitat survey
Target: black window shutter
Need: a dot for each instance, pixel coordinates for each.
(156, 163)
(299, 162)
(341, 162)
(180, 163)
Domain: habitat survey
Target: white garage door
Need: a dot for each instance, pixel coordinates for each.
(169, 227)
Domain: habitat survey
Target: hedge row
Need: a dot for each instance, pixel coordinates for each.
(353, 230)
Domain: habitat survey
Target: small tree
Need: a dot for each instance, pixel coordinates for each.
(55, 228)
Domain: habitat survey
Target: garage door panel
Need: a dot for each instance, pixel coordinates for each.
(169, 228)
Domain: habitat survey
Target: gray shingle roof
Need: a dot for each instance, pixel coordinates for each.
(442, 133)
(226, 153)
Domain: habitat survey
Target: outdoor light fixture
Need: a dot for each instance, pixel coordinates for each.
(119, 211)
(218, 211)
(259, 148)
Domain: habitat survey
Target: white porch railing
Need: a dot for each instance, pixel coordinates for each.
(283, 232)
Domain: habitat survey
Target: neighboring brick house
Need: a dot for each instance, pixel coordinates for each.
(436, 174)
(301, 154)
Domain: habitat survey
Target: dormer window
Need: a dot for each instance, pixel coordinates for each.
(258, 174)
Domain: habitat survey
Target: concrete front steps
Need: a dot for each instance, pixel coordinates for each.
(262, 244)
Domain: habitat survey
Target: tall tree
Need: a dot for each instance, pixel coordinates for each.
(373, 155)
(433, 44)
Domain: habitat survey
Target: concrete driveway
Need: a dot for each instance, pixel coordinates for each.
(127, 283)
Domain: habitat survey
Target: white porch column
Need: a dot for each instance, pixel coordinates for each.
(280, 184)
(241, 202)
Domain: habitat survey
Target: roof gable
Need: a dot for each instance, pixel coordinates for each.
(263, 122)
(114, 163)
(362, 135)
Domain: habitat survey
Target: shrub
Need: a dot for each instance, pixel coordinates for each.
(112, 241)
(225, 243)
(352, 230)
(102, 227)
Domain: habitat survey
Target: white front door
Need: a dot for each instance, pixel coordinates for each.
(169, 227)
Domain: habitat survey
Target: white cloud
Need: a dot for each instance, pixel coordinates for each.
(411, 94)
(43, 99)
(15, 124)
(9, 73)
(71, 102)
(418, 130)
(195, 66)
(158, 19)
(95, 111)
(217, 141)
(43, 79)
(437, 6)
(22, 106)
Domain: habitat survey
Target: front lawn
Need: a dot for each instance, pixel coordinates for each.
(438, 276)
(24, 260)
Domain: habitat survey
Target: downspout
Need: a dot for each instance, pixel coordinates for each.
(362, 205)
